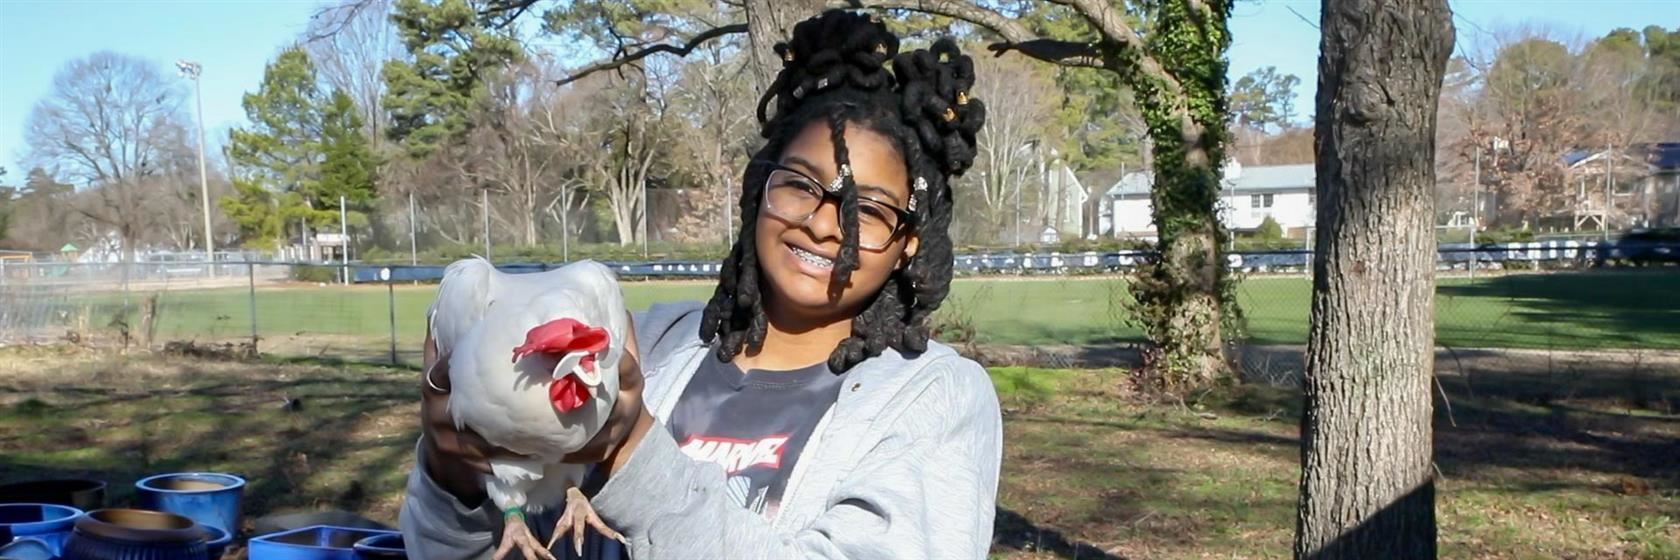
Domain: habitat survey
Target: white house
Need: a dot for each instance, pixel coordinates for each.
(1247, 196)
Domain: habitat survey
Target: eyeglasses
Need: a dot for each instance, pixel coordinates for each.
(795, 197)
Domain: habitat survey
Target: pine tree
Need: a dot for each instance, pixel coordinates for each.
(278, 154)
(454, 51)
(348, 167)
(303, 150)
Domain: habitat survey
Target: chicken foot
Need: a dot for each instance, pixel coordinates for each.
(516, 535)
(579, 516)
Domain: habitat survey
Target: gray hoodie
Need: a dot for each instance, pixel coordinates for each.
(905, 465)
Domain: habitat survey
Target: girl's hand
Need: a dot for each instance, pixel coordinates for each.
(455, 459)
(627, 422)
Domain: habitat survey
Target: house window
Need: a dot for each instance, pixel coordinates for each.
(1259, 201)
(1627, 187)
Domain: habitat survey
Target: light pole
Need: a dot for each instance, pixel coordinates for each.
(192, 70)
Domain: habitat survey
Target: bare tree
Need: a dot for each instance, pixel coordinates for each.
(174, 204)
(350, 43)
(715, 98)
(105, 123)
(1367, 477)
(1013, 144)
(528, 139)
(628, 126)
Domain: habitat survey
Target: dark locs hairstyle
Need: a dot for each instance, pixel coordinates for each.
(834, 70)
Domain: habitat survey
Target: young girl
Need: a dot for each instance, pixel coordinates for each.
(802, 412)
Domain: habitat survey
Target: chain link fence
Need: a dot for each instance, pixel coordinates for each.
(1559, 308)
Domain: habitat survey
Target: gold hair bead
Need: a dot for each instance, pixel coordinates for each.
(962, 98)
(949, 115)
(788, 55)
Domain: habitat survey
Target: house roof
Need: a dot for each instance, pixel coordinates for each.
(1238, 179)
(1660, 155)
(1665, 155)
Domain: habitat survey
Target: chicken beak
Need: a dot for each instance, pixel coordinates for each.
(572, 364)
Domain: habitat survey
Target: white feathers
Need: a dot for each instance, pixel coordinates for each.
(479, 317)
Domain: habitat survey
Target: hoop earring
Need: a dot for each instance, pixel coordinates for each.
(433, 384)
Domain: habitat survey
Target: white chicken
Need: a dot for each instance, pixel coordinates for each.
(533, 369)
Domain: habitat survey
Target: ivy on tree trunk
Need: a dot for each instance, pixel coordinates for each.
(1183, 297)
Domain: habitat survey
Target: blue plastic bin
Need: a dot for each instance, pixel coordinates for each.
(319, 542)
(381, 547)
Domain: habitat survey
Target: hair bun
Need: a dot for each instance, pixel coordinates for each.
(937, 103)
(837, 48)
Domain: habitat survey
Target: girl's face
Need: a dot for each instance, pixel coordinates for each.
(798, 258)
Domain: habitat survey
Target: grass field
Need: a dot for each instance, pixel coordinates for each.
(1580, 310)
(1532, 465)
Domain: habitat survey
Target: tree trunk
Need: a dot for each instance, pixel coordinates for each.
(530, 215)
(1184, 297)
(1367, 485)
(770, 22)
(1184, 289)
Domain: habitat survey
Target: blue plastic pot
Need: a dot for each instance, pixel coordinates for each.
(210, 499)
(217, 543)
(319, 542)
(381, 547)
(48, 523)
(131, 534)
(27, 549)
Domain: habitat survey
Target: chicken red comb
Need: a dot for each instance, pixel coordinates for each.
(565, 336)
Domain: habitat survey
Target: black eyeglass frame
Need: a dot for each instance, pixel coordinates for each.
(906, 219)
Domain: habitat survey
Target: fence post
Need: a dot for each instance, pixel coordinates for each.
(251, 296)
(391, 309)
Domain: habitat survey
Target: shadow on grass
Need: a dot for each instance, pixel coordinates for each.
(1013, 531)
(325, 451)
(1550, 415)
(1606, 309)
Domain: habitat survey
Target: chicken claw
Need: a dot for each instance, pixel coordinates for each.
(579, 515)
(516, 535)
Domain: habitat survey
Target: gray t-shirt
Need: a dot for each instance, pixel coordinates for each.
(752, 424)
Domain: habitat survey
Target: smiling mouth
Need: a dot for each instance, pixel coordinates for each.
(810, 258)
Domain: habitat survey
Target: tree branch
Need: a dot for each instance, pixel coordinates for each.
(499, 8)
(1005, 26)
(1064, 53)
(683, 50)
(1016, 37)
(1111, 23)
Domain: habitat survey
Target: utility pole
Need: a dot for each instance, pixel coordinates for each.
(1609, 183)
(192, 70)
(645, 219)
(484, 204)
(1475, 211)
(413, 247)
(344, 240)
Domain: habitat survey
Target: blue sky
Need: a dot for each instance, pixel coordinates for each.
(233, 39)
